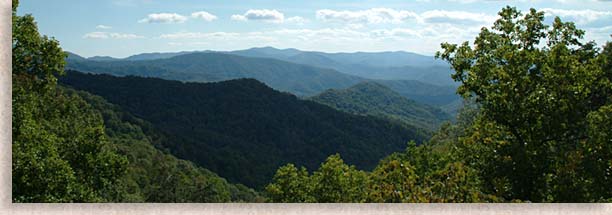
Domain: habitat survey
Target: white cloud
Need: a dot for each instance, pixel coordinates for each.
(395, 32)
(297, 20)
(238, 17)
(263, 14)
(373, 15)
(203, 15)
(423, 35)
(456, 17)
(355, 26)
(163, 18)
(601, 35)
(334, 34)
(96, 35)
(188, 44)
(387, 15)
(110, 35)
(579, 16)
(103, 27)
(418, 38)
(197, 35)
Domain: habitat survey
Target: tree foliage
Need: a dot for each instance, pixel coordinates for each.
(334, 181)
(156, 176)
(394, 180)
(245, 128)
(60, 151)
(539, 88)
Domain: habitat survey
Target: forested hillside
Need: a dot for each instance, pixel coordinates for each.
(370, 98)
(153, 175)
(242, 129)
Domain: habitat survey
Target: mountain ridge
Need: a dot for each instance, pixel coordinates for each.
(228, 127)
(299, 79)
(372, 98)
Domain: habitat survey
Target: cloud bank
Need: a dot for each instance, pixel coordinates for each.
(163, 18)
(110, 35)
(204, 16)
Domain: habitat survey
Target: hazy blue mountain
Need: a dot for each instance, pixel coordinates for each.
(267, 52)
(371, 98)
(73, 57)
(385, 59)
(438, 75)
(301, 80)
(314, 59)
(398, 65)
(370, 59)
(423, 92)
(242, 129)
(102, 58)
(373, 65)
(158, 55)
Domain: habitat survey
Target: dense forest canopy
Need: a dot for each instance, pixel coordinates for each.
(536, 126)
(242, 129)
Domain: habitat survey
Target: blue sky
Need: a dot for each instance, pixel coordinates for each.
(120, 28)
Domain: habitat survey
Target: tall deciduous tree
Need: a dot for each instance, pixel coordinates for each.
(290, 185)
(60, 151)
(536, 85)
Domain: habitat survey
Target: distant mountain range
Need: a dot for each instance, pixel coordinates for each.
(300, 79)
(242, 129)
(371, 98)
(398, 65)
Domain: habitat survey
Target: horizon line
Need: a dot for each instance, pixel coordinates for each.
(257, 47)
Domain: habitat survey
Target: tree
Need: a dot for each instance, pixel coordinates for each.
(60, 151)
(454, 183)
(290, 185)
(535, 85)
(598, 154)
(394, 182)
(335, 181)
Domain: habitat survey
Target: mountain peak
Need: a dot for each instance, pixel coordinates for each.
(73, 56)
(102, 58)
